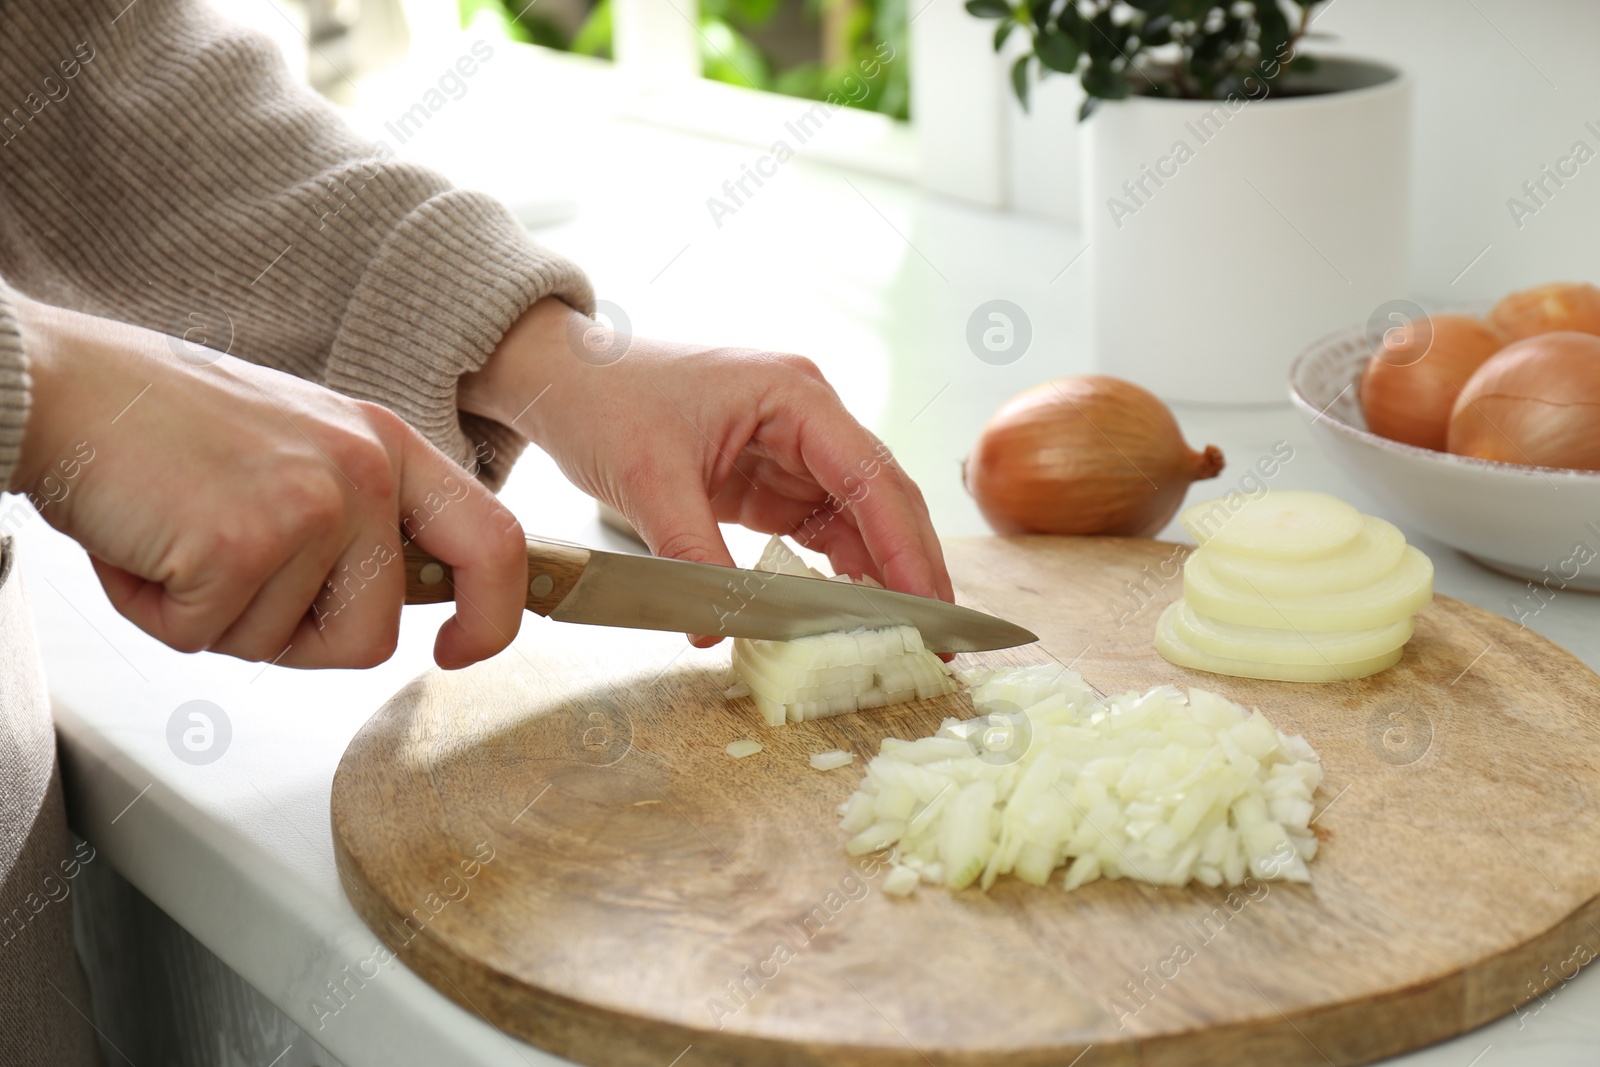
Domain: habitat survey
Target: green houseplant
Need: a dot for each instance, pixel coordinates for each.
(1214, 139)
(1179, 49)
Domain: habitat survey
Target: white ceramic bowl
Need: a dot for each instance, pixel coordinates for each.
(1539, 523)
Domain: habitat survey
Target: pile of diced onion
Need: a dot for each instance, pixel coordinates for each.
(837, 673)
(1161, 787)
(1293, 586)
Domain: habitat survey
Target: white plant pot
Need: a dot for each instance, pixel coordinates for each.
(1225, 236)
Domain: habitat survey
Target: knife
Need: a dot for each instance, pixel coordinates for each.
(572, 583)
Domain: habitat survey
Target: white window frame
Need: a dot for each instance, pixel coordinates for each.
(657, 48)
(969, 139)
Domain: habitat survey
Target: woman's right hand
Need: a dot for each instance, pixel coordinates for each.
(238, 509)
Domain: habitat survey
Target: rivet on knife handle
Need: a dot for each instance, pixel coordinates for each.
(554, 567)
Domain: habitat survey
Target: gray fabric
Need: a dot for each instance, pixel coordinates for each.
(13, 388)
(44, 999)
(160, 167)
(161, 998)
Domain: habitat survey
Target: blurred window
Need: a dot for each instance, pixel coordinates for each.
(813, 49)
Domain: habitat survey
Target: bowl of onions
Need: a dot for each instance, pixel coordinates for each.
(1482, 433)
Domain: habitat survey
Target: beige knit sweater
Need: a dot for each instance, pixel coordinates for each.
(158, 166)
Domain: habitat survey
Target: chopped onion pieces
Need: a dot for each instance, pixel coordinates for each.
(900, 881)
(1160, 787)
(837, 673)
(778, 558)
(833, 674)
(827, 761)
(743, 747)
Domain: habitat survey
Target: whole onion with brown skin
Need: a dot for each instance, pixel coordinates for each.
(1555, 308)
(1085, 455)
(1536, 402)
(1411, 382)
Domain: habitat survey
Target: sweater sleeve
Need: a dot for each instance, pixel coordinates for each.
(13, 388)
(158, 166)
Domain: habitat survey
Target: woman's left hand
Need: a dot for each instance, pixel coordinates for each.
(679, 438)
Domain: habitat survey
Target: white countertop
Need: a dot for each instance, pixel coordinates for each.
(865, 275)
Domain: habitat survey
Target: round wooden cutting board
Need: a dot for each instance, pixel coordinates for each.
(557, 840)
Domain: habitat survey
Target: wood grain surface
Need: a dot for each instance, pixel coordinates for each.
(556, 840)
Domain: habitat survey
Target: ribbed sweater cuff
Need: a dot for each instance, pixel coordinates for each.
(14, 388)
(433, 303)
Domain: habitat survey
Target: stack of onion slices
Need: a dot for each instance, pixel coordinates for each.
(1293, 586)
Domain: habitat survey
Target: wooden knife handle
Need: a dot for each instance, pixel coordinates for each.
(554, 567)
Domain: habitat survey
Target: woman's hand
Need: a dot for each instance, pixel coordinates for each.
(238, 509)
(679, 438)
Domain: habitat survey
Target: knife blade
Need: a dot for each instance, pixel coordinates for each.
(573, 583)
